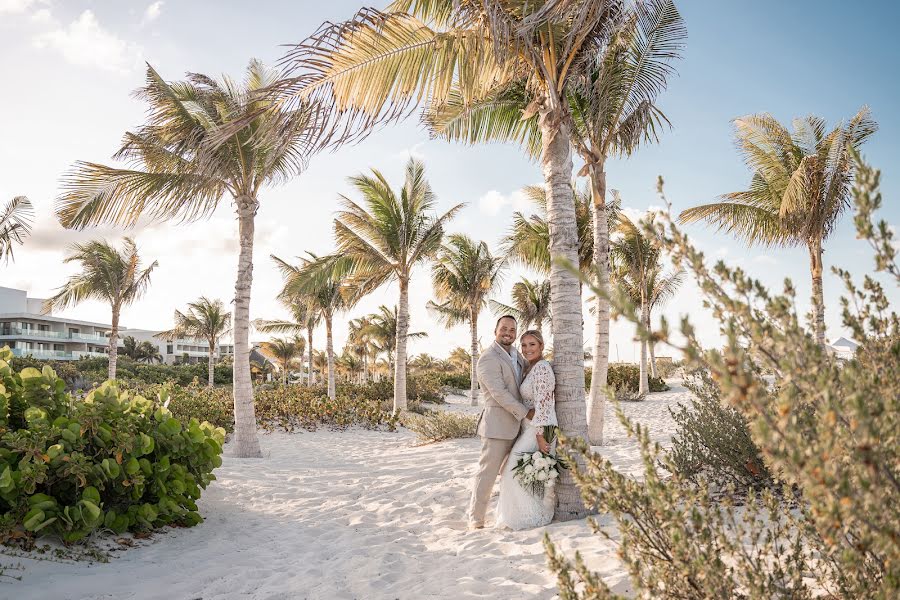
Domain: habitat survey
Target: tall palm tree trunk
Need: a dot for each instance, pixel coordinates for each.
(400, 354)
(597, 397)
(114, 342)
(245, 440)
(565, 296)
(644, 385)
(329, 350)
(309, 357)
(212, 361)
(815, 268)
(651, 347)
(473, 361)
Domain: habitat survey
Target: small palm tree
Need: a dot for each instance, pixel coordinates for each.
(359, 343)
(205, 319)
(530, 303)
(800, 188)
(284, 352)
(148, 352)
(464, 274)
(387, 238)
(635, 257)
(130, 347)
(319, 283)
(459, 359)
(15, 225)
(204, 140)
(304, 319)
(383, 332)
(107, 275)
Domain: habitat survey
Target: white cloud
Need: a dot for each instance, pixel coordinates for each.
(84, 42)
(153, 11)
(493, 202)
(18, 6)
(42, 16)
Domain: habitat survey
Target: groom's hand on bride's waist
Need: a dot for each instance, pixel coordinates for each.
(530, 414)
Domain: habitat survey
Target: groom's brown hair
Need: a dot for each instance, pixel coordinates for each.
(504, 317)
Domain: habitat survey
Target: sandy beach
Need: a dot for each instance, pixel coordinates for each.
(345, 515)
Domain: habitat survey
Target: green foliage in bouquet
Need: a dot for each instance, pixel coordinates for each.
(114, 461)
(830, 432)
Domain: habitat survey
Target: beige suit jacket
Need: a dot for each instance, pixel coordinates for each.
(503, 408)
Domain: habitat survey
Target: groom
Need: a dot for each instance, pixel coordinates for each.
(500, 370)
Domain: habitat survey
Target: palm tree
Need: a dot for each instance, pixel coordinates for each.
(204, 140)
(15, 225)
(304, 319)
(130, 347)
(205, 319)
(359, 344)
(148, 352)
(382, 332)
(530, 303)
(635, 257)
(423, 363)
(319, 282)
(378, 66)
(464, 274)
(106, 275)
(284, 351)
(799, 190)
(387, 239)
(459, 359)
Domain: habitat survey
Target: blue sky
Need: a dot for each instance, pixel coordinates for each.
(70, 68)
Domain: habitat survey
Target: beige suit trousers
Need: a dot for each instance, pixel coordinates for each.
(494, 453)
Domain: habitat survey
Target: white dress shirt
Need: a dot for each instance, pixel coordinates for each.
(517, 368)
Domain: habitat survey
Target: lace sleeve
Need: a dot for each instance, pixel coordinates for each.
(542, 384)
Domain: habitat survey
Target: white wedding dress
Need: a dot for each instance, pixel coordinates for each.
(517, 507)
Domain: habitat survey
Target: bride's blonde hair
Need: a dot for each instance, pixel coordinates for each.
(535, 334)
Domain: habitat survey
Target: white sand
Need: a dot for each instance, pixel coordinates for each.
(356, 514)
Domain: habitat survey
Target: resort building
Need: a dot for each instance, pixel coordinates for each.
(27, 331)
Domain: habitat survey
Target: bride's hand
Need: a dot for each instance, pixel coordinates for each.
(543, 446)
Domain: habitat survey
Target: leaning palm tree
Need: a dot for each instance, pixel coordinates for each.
(386, 238)
(380, 65)
(107, 275)
(284, 352)
(304, 319)
(799, 190)
(464, 274)
(319, 282)
(15, 225)
(635, 256)
(205, 319)
(204, 140)
(530, 303)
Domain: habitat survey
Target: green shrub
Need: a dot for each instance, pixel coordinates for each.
(113, 460)
(829, 431)
(294, 407)
(437, 425)
(626, 376)
(713, 440)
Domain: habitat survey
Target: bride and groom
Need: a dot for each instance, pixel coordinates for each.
(518, 403)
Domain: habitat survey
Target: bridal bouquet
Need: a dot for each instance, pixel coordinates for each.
(536, 470)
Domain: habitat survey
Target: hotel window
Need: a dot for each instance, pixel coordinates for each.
(43, 328)
(59, 347)
(170, 349)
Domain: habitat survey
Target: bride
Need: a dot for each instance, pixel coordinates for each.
(518, 508)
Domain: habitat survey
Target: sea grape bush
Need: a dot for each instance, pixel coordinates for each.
(112, 460)
(626, 379)
(829, 432)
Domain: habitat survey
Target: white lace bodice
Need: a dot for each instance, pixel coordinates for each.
(537, 392)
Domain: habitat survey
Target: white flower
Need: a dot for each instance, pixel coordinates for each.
(536, 456)
(529, 469)
(542, 476)
(553, 475)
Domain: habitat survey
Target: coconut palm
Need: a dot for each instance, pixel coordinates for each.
(382, 331)
(360, 344)
(15, 225)
(204, 319)
(148, 352)
(459, 359)
(799, 190)
(530, 303)
(107, 275)
(304, 319)
(284, 352)
(204, 140)
(130, 347)
(464, 274)
(635, 256)
(386, 238)
(378, 66)
(319, 282)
